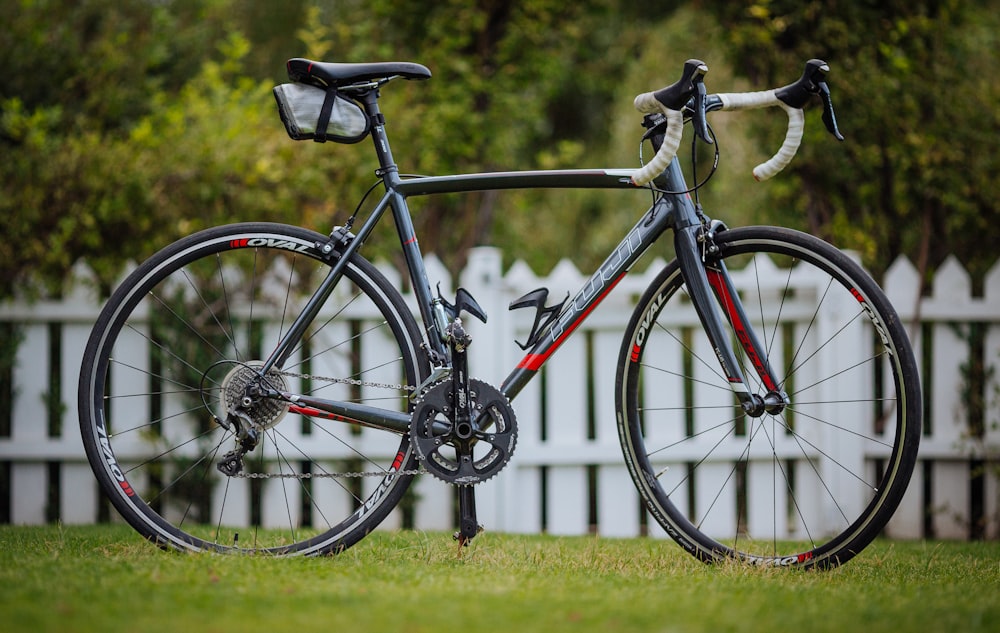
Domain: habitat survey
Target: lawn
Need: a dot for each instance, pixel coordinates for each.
(105, 578)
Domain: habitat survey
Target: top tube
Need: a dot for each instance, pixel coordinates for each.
(536, 179)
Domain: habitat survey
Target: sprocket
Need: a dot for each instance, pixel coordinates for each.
(470, 458)
(264, 413)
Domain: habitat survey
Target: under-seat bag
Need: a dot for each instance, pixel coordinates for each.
(302, 108)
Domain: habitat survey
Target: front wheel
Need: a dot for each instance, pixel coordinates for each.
(178, 347)
(808, 484)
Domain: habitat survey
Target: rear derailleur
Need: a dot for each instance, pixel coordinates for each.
(247, 437)
(247, 409)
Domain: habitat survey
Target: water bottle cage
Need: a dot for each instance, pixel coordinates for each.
(543, 315)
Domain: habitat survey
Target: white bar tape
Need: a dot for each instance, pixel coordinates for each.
(648, 104)
(748, 100)
(796, 125)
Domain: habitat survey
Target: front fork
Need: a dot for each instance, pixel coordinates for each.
(708, 283)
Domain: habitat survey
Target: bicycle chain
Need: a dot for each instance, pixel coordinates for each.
(342, 381)
(350, 381)
(413, 472)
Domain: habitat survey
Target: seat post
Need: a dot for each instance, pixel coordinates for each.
(387, 164)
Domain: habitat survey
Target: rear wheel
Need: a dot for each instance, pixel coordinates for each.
(171, 356)
(808, 484)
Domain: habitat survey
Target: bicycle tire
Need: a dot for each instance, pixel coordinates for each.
(810, 486)
(180, 330)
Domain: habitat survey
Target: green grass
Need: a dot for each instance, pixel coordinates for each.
(107, 579)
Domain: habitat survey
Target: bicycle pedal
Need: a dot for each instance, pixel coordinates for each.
(463, 541)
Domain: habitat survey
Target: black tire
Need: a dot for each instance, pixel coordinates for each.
(187, 321)
(810, 486)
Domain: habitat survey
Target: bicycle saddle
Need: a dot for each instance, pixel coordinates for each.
(325, 74)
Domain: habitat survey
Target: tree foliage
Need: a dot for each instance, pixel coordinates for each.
(154, 119)
(914, 84)
(79, 76)
(125, 124)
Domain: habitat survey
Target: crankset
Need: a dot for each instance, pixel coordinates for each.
(463, 452)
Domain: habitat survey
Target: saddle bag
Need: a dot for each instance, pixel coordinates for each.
(311, 112)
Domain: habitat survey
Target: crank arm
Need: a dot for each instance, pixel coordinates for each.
(468, 523)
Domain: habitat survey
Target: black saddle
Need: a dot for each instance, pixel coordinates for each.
(329, 74)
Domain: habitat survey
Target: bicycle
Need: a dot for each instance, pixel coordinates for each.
(262, 360)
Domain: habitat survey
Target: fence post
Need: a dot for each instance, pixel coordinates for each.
(950, 477)
(991, 400)
(902, 286)
(522, 481)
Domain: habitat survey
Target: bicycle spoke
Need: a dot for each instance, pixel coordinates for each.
(690, 378)
(712, 366)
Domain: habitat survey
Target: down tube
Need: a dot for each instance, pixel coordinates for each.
(599, 286)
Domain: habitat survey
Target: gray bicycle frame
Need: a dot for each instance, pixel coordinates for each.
(669, 211)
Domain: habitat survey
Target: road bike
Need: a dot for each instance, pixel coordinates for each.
(257, 366)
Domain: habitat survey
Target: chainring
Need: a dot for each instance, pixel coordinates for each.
(443, 453)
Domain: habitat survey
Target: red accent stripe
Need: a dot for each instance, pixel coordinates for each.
(533, 362)
(715, 279)
(316, 413)
(410, 241)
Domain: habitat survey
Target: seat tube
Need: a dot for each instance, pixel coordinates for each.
(404, 224)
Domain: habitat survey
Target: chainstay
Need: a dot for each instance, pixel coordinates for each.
(342, 381)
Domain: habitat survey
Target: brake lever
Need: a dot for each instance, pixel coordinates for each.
(812, 82)
(828, 116)
(698, 119)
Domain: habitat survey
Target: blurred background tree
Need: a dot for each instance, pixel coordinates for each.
(915, 85)
(125, 124)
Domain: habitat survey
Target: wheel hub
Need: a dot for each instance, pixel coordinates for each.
(773, 403)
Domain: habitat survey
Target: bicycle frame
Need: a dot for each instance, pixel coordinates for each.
(669, 211)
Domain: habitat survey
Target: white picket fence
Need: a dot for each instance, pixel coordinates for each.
(571, 480)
